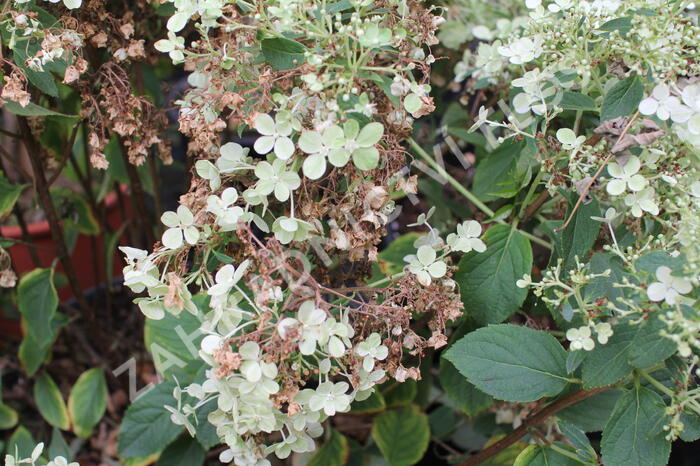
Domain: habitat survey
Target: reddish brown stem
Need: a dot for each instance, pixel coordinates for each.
(538, 418)
(35, 150)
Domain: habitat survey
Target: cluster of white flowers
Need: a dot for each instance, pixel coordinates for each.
(35, 458)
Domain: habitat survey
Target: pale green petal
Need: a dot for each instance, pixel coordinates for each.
(339, 157)
(366, 158)
(264, 124)
(314, 166)
(310, 142)
(370, 134)
(172, 238)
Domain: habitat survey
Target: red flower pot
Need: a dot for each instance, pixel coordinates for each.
(88, 255)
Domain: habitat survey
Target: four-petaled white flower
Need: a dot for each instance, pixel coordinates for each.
(522, 50)
(226, 213)
(276, 178)
(604, 331)
(425, 266)
(226, 278)
(467, 237)
(580, 338)
(181, 228)
(252, 367)
(275, 135)
(625, 176)
(642, 201)
(321, 146)
(62, 461)
(668, 288)
(664, 105)
(331, 398)
(371, 349)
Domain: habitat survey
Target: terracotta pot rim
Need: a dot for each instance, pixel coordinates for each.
(41, 229)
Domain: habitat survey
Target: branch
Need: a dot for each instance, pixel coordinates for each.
(537, 418)
(584, 193)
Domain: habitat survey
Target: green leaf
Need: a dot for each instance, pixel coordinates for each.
(9, 193)
(282, 53)
(623, 99)
(402, 435)
(50, 402)
(174, 342)
(146, 427)
(649, 347)
(623, 25)
(608, 363)
(334, 452)
(460, 391)
(75, 211)
(691, 427)
(578, 237)
(184, 451)
(21, 442)
(58, 445)
(487, 279)
(539, 455)
(87, 401)
(8, 417)
(205, 432)
(633, 435)
(399, 393)
(577, 101)
(511, 363)
(579, 441)
(592, 414)
(374, 404)
(497, 175)
(32, 110)
(37, 301)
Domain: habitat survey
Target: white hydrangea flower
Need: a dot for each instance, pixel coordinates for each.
(664, 105)
(668, 288)
(467, 237)
(181, 228)
(226, 278)
(174, 46)
(227, 215)
(371, 349)
(331, 398)
(140, 271)
(625, 177)
(524, 282)
(642, 201)
(522, 50)
(425, 266)
(604, 331)
(275, 178)
(580, 338)
(275, 135)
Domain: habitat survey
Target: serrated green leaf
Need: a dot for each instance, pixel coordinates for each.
(608, 363)
(282, 53)
(334, 452)
(487, 279)
(511, 363)
(577, 101)
(622, 99)
(402, 435)
(146, 427)
(649, 347)
(496, 176)
(87, 401)
(461, 392)
(592, 414)
(633, 435)
(50, 403)
(184, 451)
(174, 341)
(577, 239)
